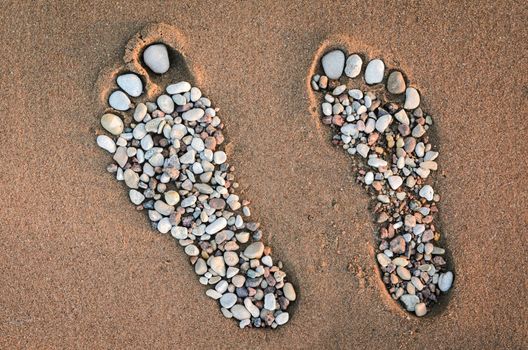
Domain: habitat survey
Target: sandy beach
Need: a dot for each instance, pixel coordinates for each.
(82, 269)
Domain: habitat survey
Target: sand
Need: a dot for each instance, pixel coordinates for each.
(81, 269)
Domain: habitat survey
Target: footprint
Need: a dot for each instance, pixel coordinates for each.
(166, 142)
(376, 116)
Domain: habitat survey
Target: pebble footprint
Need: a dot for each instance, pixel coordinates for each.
(166, 142)
(376, 117)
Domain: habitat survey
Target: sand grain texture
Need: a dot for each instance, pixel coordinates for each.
(81, 269)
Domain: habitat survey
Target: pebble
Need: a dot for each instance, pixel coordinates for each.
(106, 143)
(333, 64)
(131, 178)
(131, 84)
(193, 115)
(136, 197)
(363, 150)
(383, 122)
(412, 98)
(218, 225)
(403, 273)
(427, 192)
(254, 250)
(192, 250)
(445, 281)
(200, 267)
(374, 72)
(395, 182)
(377, 162)
(396, 83)
(119, 100)
(156, 57)
(120, 156)
(289, 291)
(165, 103)
(282, 318)
(383, 259)
(163, 208)
(178, 88)
(172, 197)
(217, 265)
(420, 309)
(112, 123)
(353, 66)
(140, 112)
(240, 312)
(270, 302)
(164, 225)
(253, 310)
(219, 157)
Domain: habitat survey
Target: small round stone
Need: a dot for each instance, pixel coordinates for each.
(119, 100)
(333, 64)
(228, 300)
(427, 192)
(172, 197)
(353, 66)
(282, 318)
(219, 157)
(420, 309)
(156, 57)
(254, 250)
(112, 123)
(396, 83)
(164, 225)
(445, 281)
(412, 98)
(136, 197)
(106, 143)
(193, 115)
(395, 182)
(165, 103)
(192, 250)
(289, 291)
(240, 312)
(131, 84)
(374, 72)
(217, 265)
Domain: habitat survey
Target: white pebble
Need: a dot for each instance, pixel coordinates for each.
(165, 103)
(412, 98)
(131, 84)
(193, 114)
(156, 57)
(353, 66)
(106, 143)
(374, 72)
(112, 123)
(178, 88)
(119, 100)
(427, 192)
(333, 64)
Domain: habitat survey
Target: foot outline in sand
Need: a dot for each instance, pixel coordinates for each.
(166, 141)
(375, 116)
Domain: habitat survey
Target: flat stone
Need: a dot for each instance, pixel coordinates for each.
(282, 318)
(396, 83)
(217, 265)
(165, 103)
(254, 250)
(383, 259)
(192, 250)
(240, 312)
(106, 143)
(333, 64)
(231, 258)
(216, 226)
(112, 123)
(200, 267)
(178, 88)
(376, 162)
(163, 208)
(353, 66)
(164, 225)
(412, 98)
(269, 302)
(403, 273)
(445, 281)
(427, 192)
(420, 309)
(395, 182)
(156, 57)
(131, 178)
(131, 84)
(179, 232)
(363, 149)
(289, 291)
(193, 115)
(383, 122)
(219, 157)
(120, 156)
(140, 112)
(172, 197)
(119, 100)
(136, 197)
(374, 72)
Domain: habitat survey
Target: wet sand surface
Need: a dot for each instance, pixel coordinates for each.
(82, 269)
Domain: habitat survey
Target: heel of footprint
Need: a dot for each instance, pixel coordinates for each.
(167, 145)
(376, 117)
